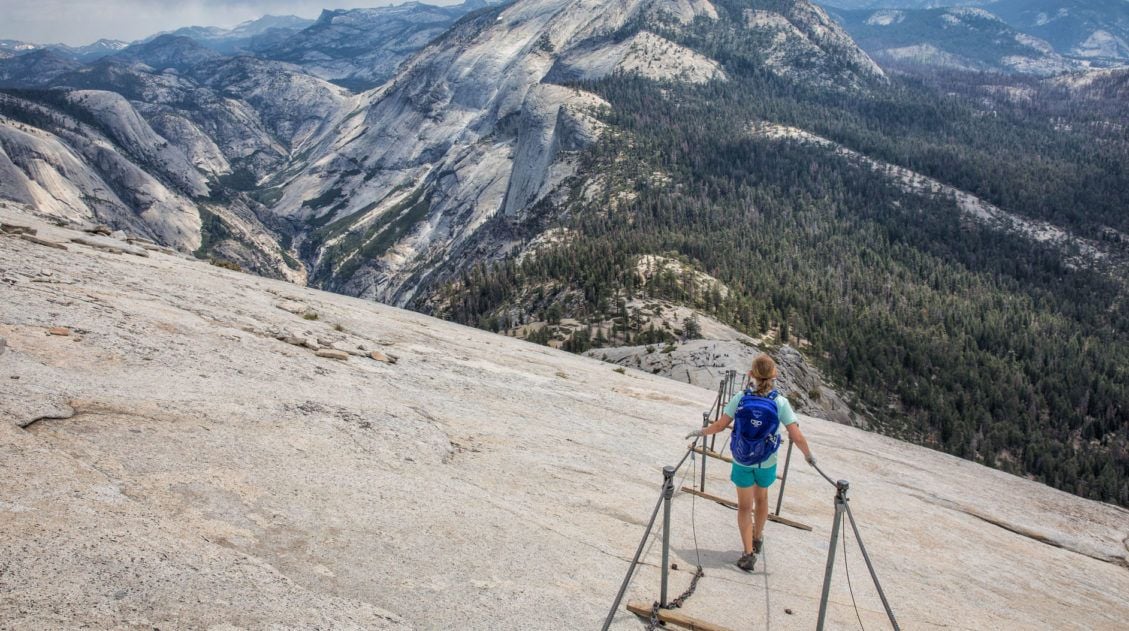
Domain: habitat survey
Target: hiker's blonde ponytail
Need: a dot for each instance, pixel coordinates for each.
(763, 374)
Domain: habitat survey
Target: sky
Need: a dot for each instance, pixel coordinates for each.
(80, 22)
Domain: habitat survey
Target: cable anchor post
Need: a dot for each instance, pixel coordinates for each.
(784, 478)
(717, 410)
(841, 488)
(668, 493)
(705, 451)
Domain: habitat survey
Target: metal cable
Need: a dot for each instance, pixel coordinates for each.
(642, 544)
(847, 570)
(694, 522)
(634, 562)
(654, 621)
(767, 600)
(870, 567)
(825, 476)
(689, 451)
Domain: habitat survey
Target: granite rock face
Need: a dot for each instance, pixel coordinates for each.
(468, 151)
(474, 142)
(177, 464)
(362, 48)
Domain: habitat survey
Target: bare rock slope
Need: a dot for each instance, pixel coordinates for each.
(176, 454)
(703, 362)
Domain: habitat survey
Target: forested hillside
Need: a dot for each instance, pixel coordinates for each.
(999, 346)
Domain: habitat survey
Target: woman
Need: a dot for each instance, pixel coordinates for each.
(760, 412)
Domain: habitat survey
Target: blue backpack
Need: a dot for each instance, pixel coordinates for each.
(754, 429)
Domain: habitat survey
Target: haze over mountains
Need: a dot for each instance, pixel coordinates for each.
(1040, 38)
(948, 248)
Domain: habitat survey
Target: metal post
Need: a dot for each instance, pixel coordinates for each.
(870, 567)
(784, 479)
(668, 493)
(705, 423)
(840, 507)
(716, 411)
(635, 560)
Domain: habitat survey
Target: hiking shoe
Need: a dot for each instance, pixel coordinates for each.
(747, 562)
(757, 544)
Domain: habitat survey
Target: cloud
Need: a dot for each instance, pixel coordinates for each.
(78, 22)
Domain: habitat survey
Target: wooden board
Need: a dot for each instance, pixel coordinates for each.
(672, 616)
(730, 503)
(714, 498)
(788, 522)
(713, 454)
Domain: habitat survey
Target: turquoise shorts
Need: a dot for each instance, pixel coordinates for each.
(744, 477)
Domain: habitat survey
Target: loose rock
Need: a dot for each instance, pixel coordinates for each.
(332, 354)
(59, 330)
(290, 306)
(9, 228)
(312, 343)
(381, 357)
(113, 246)
(36, 240)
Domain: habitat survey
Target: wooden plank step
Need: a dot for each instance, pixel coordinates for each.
(713, 454)
(788, 522)
(720, 500)
(730, 503)
(672, 616)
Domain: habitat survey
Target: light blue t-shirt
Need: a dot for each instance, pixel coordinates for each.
(783, 412)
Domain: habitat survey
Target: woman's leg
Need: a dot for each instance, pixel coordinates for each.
(760, 497)
(745, 501)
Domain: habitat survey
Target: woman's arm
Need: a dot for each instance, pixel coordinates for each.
(797, 437)
(712, 428)
(717, 425)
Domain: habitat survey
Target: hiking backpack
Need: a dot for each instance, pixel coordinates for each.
(754, 430)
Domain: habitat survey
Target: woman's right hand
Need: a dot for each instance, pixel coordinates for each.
(694, 434)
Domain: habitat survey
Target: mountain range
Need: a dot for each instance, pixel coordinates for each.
(953, 38)
(948, 250)
(1013, 36)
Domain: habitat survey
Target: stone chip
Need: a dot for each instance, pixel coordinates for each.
(291, 306)
(330, 353)
(381, 357)
(36, 240)
(9, 228)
